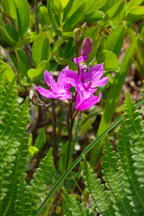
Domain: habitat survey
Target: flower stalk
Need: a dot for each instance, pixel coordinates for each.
(70, 121)
(55, 146)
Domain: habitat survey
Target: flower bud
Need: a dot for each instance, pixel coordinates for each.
(86, 46)
(77, 34)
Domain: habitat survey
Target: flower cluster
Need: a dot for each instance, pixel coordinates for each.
(84, 81)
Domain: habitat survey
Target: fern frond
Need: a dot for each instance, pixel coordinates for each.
(130, 149)
(44, 175)
(23, 201)
(13, 147)
(116, 181)
(72, 207)
(97, 191)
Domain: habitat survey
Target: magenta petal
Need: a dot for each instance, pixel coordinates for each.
(70, 77)
(46, 93)
(49, 80)
(101, 82)
(84, 104)
(95, 73)
(80, 59)
(98, 67)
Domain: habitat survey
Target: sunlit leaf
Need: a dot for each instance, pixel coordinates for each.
(6, 71)
(41, 48)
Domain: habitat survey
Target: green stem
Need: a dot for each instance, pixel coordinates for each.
(55, 147)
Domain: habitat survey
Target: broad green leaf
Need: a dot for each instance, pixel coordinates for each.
(115, 40)
(54, 14)
(138, 11)
(113, 11)
(5, 38)
(58, 6)
(64, 2)
(11, 31)
(110, 60)
(76, 17)
(34, 72)
(6, 71)
(73, 7)
(109, 4)
(22, 61)
(94, 16)
(19, 11)
(92, 5)
(43, 15)
(23, 15)
(9, 7)
(113, 98)
(41, 48)
(131, 4)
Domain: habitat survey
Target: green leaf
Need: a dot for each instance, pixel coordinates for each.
(113, 11)
(64, 2)
(76, 17)
(6, 71)
(72, 206)
(132, 4)
(92, 5)
(94, 16)
(9, 7)
(41, 139)
(5, 37)
(54, 14)
(41, 48)
(109, 4)
(22, 61)
(138, 10)
(99, 195)
(44, 16)
(110, 61)
(72, 7)
(33, 150)
(12, 31)
(23, 15)
(34, 72)
(19, 11)
(115, 40)
(44, 175)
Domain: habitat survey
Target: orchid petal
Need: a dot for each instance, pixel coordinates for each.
(46, 93)
(80, 59)
(95, 73)
(101, 82)
(84, 104)
(69, 77)
(49, 80)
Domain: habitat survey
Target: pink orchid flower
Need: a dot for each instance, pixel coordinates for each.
(91, 78)
(59, 89)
